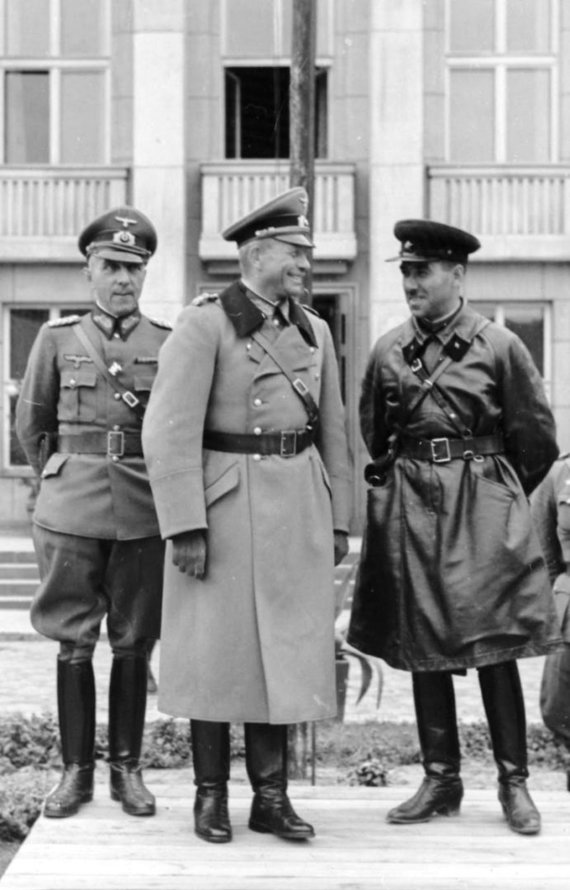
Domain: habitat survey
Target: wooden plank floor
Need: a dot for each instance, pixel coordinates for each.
(355, 849)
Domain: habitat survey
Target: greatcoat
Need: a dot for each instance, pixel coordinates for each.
(452, 574)
(253, 641)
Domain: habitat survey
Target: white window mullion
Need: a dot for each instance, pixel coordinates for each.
(500, 113)
(55, 28)
(501, 26)
(55, 114)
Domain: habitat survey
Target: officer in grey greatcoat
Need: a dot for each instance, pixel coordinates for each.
(245, 443)
(455, 418)
(95, 529)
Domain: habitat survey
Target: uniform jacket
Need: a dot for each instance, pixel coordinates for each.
(90, 495)
(252, 641)
(550, 504)
(452, 574)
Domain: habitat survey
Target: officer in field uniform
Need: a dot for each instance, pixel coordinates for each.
(245, 442)
(95, 530)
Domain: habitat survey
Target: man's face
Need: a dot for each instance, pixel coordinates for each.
(116, 286)
(282, 269)
(432, 289)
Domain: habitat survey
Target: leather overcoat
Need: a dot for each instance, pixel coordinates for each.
(452, 575)
(254, 640)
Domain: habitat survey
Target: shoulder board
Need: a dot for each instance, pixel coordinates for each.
(160, 323)
(310, 309)
(63, 321)
(564, 456)
(203, 299)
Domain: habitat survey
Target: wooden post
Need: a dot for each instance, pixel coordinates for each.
(302, 103)
(302, 172)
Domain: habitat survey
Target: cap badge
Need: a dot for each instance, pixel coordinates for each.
(124, 236)
(303, 221)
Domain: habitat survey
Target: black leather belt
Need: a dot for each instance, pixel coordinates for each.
(441, 451)
(286, 443)
(114, 443)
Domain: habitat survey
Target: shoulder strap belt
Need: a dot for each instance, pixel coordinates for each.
(298, 385)
(128, 397)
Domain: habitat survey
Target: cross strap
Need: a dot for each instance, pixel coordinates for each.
(128, 397)
(298, 385)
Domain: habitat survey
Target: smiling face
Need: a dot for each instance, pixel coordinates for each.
(432, 289)
(115, 286)
(281, 269)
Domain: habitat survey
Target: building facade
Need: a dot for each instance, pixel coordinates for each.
(448, 109)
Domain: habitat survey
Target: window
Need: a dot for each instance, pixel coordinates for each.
(502, 81)
(22, 327)
(257, 112)
(54, 81)
(531, 321)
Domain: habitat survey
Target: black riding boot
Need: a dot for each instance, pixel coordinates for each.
(211, 757)
(76, 709)
(127, 705)
(441, 790)
(266, 763)
(504, 706)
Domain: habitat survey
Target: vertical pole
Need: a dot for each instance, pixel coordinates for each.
(302, 173)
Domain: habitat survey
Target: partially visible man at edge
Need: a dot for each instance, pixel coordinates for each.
(247, 454)
(455, 418)
(96, 536)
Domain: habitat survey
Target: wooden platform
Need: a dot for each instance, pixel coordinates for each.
(103, 849)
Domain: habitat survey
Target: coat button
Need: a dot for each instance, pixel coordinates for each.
(257, 457)
(257, 431)
(116, 427)
(257, 402)
(117, 395)
(115, 459)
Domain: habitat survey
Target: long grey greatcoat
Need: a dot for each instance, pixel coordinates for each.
(254, 640)
(452, 574)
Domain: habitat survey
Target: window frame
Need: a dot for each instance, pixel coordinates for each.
(56, 64)
(501, 310)
(54, 311)
(501, 62)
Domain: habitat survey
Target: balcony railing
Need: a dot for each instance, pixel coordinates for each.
(519, 212)
(42, 209)
(230, 189)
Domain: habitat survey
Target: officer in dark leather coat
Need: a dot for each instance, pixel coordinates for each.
(79, 419)
(454, 415)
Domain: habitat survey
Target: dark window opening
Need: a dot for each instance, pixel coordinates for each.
(257, 112)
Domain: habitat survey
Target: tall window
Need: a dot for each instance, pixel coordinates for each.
(21, 329)
(502, 81)
(54, 70)
(531, 321)
(257, 112)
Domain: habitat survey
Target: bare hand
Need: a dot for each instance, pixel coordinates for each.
(340, 546)
(189, 552)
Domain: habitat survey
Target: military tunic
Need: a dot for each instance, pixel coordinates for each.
(452, 574)
(254, 640)
(96, 496)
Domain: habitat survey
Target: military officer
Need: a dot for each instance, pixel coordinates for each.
(95, 529)
(250, 473)
(455, 418)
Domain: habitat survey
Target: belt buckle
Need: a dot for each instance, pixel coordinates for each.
(440, 453)
(288, 446)
(115, 443)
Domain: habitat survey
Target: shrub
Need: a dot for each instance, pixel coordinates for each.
(21, 797)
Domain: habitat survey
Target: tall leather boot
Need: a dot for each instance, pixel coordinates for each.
(266, 764)
(504, 705)
(211, 757)
(76, 710)
(127, 705)
(442, 789)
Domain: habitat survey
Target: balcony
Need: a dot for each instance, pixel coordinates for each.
(42, 209)
(230, 189)
(520, 213)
